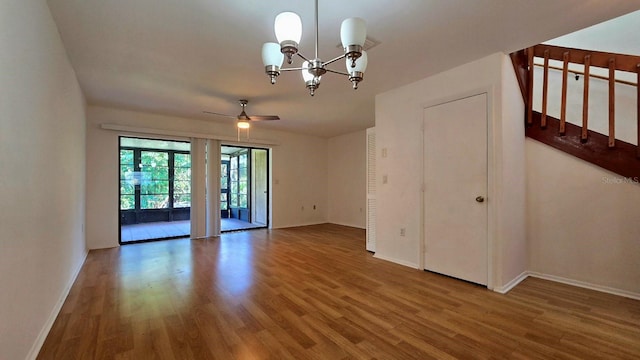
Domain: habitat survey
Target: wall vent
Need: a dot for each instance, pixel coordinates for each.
(369, 43)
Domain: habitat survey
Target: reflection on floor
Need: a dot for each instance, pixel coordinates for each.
(162, 230)
(236, 224)
(155, 230)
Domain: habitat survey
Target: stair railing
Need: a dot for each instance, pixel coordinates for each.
(603, 150)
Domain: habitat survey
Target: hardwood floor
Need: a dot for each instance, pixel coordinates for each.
(314, 293)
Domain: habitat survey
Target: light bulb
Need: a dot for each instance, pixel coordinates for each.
(288, 26)
(306, 75)
(243, 124)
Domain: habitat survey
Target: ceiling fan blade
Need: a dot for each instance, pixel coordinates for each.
(215, 113)
(264, 117)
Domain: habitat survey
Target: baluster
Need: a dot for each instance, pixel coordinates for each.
(638, 110)
(545, 85)
(612, 102)
(530, 86)
(585, 101)
(563, 104)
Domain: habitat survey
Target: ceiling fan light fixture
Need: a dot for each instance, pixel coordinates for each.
(243, 121)
(288, 29)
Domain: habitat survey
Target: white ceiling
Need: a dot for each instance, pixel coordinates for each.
(180, 57)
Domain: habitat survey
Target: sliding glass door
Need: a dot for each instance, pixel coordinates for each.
(155, 189)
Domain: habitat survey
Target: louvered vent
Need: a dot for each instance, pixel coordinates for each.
(371, 224)
(371, 189)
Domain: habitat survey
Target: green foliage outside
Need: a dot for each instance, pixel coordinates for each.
(154, 180)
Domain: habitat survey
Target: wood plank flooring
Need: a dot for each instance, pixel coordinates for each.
(314, 293)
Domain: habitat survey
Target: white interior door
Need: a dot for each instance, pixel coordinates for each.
(455, 175)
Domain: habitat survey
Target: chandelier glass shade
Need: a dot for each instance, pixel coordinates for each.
(288, 29)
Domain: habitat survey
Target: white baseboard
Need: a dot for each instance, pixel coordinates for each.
(511, 284)
(586, 285)
(396, 261)
(37, 345)
(349, 225)
(299, 225)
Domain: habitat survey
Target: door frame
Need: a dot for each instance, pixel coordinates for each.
(228, 163)
(254, 189)
(492, 242)
(122, 135)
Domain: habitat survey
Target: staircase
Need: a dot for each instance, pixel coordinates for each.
(581, 140)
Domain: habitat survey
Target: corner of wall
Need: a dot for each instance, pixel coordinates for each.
(511, 180)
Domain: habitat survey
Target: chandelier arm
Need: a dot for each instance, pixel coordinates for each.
(334, 59)
(292, 69)
(337, 72)
(303, 57)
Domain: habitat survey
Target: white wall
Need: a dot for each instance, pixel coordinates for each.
(583, 222)
(617, 35)
(398, 129)
(348, 179)
(42, 176)
(299, 170)
(511, 176)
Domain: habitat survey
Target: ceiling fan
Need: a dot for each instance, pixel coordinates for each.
(243, 118)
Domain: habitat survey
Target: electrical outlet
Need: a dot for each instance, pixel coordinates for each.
(384, 179)
(403, 231)
(384, 152)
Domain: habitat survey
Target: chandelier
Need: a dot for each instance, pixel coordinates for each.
(288, 29)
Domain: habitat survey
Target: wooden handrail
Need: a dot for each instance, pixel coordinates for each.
(597, 58)
(577, 72)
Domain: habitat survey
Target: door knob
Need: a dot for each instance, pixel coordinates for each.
(480, 199)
